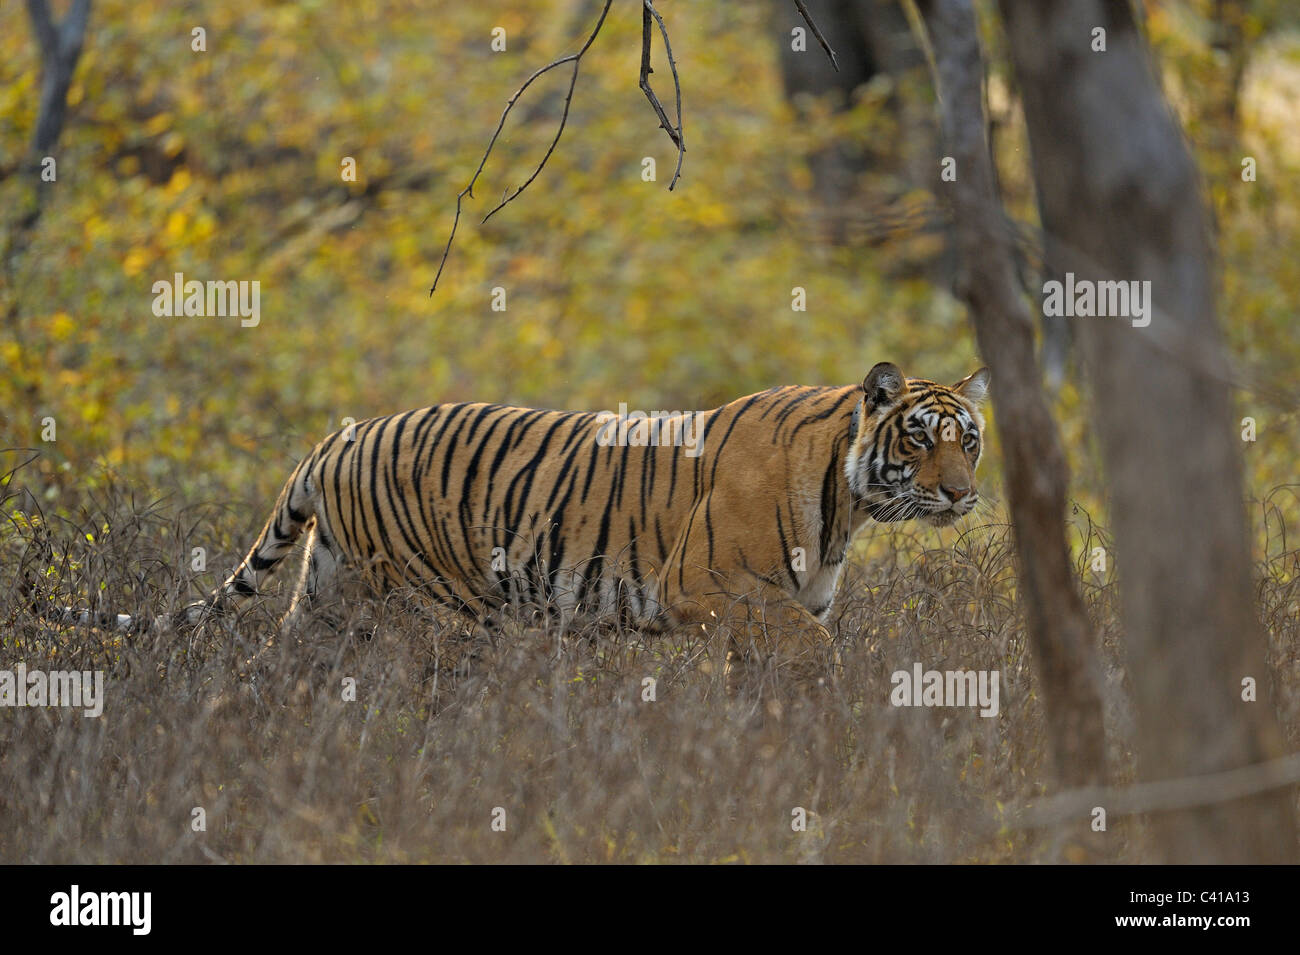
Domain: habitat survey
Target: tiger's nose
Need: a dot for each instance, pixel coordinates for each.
(956, 493)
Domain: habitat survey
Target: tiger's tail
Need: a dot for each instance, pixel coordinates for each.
(294, 509)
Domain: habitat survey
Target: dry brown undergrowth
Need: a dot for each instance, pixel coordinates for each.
(551, 727)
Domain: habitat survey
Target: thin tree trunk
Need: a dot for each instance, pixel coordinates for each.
(1036, 474)
(1120, 199)
(60, 49)
(60, 45)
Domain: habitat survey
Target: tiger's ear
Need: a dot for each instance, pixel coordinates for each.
(883, 384)
(974, 387)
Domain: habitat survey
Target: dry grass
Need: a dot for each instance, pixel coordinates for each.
(549, 725)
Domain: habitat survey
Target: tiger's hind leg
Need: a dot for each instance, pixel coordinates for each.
(319, 568)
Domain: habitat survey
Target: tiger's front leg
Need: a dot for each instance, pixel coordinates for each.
(759, 626)
(761, 629)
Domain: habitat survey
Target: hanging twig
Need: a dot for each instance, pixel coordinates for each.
(675, 134)
(576, 60)
(648, 12)
(807, 18)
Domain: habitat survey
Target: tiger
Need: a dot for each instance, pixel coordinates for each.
(745, 511)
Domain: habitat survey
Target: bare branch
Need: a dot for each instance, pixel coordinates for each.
(648, 13)
(576, 60)
(807, 18)
(564, 119)
(1164, 795)
(675, 134)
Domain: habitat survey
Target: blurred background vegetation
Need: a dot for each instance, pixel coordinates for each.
(225, 164)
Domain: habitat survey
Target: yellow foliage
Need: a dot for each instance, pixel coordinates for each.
(136, 260)
(61, 326)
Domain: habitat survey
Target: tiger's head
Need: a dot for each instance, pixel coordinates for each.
(916, 445)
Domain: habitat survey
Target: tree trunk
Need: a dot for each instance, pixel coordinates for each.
(1120, 199)
(60, 49)
(1036, 475)
(60, 45)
